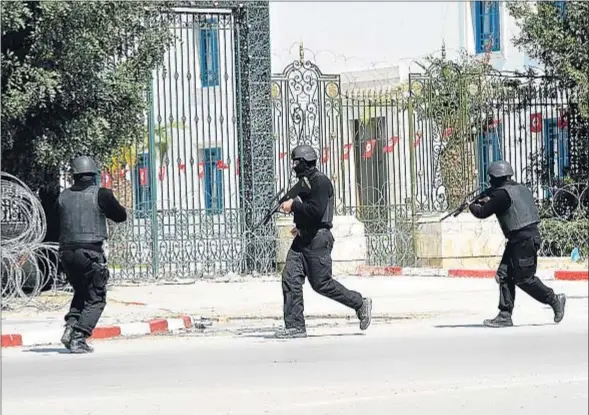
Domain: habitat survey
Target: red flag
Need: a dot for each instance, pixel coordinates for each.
(282, 155)
(346, 154)
(391, 143)
(161, 173)
(447, 132)
(418, 137)
(143, 176)
(181, 166)
(201, 170)
(325, 154)
(494, 124)
(535, 123)
(106, 180)
(221, 165)
(369, 148)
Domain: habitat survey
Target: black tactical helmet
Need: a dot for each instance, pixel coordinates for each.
(84, 165)
(304, 152)
(499, 169)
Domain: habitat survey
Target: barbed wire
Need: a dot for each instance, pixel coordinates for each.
(386, 73)
(29, 267)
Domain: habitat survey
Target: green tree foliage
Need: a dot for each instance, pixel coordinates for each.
(74, 79)
(455, 100)
(557, 35)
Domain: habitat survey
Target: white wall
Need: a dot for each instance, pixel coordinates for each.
(374, 45)
(350, 36)
(207, 115)
(509, 58)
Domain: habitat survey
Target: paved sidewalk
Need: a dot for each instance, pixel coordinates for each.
(393, 297)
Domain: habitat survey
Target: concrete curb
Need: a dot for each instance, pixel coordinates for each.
(390, 271)
(53, 336)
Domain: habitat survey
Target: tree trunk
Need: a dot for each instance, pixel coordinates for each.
(458, 166)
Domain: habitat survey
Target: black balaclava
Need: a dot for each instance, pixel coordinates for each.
(498, 181)
(303, 167)
(84, 179)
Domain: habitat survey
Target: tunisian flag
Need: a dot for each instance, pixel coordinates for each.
(325, 152)
(390, 145)
(106, 180)
(535, 123)
(346, 155)
(143, 177)
(369, 148)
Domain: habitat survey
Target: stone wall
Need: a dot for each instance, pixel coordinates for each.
(470, 243)
(349, 250)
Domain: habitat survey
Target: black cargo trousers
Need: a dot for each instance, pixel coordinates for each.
(310, 256)
(518, 268)
(87, 272)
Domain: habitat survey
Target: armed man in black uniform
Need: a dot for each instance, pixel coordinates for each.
(82, 210)
(310, 253)
(514, 206)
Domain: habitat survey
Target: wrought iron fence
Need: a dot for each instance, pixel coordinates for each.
(530, 121)
(188, 181)
(392, 155)
(398, 153)
(182, 180)
(357, 139)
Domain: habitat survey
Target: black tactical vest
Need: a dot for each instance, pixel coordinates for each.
(522, 212)
(326, 220)
(80, 217)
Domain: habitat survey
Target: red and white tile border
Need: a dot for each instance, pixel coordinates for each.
(165, 325)
(52, 336)
(373, 271)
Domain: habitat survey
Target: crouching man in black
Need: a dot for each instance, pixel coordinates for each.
(310, 253)
(514, 206)
(83, 209)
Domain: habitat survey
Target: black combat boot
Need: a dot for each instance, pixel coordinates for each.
(364, 313)
(503, 319)
(291, 333)
(558, 307)
(78, 344)
(66, 338)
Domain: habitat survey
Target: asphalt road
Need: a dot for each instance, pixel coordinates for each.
(402, 368)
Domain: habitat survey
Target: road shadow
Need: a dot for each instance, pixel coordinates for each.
(55, 350)
(482, 326)
(268, 336)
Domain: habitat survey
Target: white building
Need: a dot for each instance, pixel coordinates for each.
(194, 99)
(362, 41)
(194, 154)
(351, 36)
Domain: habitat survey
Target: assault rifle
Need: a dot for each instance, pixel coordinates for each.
(302, 186)
(470, 198)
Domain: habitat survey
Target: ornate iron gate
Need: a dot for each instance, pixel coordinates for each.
(355, 137)
(190, 180)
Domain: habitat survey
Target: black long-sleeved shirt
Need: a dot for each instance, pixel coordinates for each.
(108, 204)
(499, 202)
(308, 212)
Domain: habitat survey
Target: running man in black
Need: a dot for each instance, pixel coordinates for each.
(310, 253)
